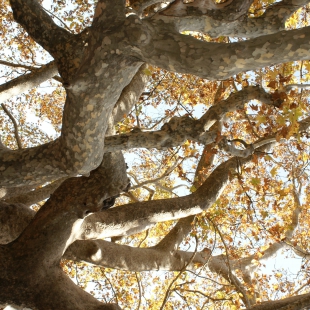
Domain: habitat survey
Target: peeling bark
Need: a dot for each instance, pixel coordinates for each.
(102, 72)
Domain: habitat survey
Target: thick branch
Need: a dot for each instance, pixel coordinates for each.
(36, 195)
(10, 192)
(39, 25)
(122, 220)
(56, 223)
(291, 303)
(14, 218)
(113, 255)
(109, 12)
(184, 54)
(173, 239)
(176, 235)
(81, 144)
(27, 81)
(180, 129)
(225, 22)
(228, 10)
(129, 96)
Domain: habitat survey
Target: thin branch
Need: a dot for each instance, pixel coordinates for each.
(62, 22)
(206, 278)
(299, 289)
(166, 173)
(299, 86)
(10, 64)
(140, 293)
(207, 296)
(168, 292)
(231, 276)
(112, 288)
(183, 297)
(137, 116)
(146, 235)
(19, 143)
(131, 196)
(252, 128)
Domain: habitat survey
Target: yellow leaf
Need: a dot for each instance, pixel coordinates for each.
(261, 119)
(274, 171)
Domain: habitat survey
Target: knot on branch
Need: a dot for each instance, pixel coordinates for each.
(184, 125)
(230, 147)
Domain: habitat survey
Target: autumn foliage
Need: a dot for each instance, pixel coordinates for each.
(243, 246)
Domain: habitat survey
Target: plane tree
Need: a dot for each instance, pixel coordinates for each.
(109, 65)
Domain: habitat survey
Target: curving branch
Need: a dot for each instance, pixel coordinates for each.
(290, 303)
(185, 54)
(129, 96)
(100, 252)
(179, 129)
(41, 245)
(19, 143)
(122, 221)
(230, 20)
(111, 255)
(39, 25)
(173, 239)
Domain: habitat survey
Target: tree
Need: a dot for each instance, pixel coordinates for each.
(100, 64)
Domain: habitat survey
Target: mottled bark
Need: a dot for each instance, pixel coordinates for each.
(129, 96)
(80, 146)
(232, 20)
(100, 71)
(179, 129)
(166, 48)
(30, 271)
(132, 218)
(109, 254)
(35, 195)
(132, 41)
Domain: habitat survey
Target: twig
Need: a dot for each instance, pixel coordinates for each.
(165, 174)
(183, 297)
(146, 235)
(252, 128)
(203, 277)
(47, 11)
(112, 288)
(299, 289)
